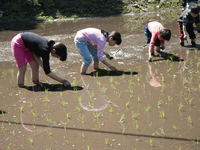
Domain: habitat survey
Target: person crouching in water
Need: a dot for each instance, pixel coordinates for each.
(185, 24)
(91, 42)
(156, 35)
(28, 47)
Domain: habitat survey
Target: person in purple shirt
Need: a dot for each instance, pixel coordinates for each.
(29, 47)
(90, 43)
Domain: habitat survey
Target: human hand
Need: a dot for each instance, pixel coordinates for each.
(150, 59)
(108, 56)
(185, 37)
(66, 83)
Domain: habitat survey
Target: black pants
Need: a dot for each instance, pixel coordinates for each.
(189, 29)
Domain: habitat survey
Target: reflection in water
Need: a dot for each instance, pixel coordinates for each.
(153, 81)
(93, 100)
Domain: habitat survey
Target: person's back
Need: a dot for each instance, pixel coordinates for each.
(155, 27)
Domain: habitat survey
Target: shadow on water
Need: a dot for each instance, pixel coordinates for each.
(2, 112)
(23, 14)
(168, 56)
(103, 72)
(193, 48)
(52, 88)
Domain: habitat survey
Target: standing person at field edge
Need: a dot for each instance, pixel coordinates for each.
(91, 42)
(188, 3)
(28, 47)
(156, 35)
(185, 24)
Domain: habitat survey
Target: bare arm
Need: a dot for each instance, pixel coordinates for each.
(51, 74)
(109, 65)
(61, 80)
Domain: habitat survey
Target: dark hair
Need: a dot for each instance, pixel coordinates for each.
(194, 9)
(165, 34)
(61, 50)
(106, 34)
(116, 36)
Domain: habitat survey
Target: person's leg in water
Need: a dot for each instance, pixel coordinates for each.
(93, 52)
(21, 75)
(35, 72)
(190, 30)
(83, 49)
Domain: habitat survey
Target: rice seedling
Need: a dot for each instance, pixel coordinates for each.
(123, 129)
(111, 110)
(147, 108)
(88, 147)
(162, 115)
(81, 118)
(46, 90)
(21, 108)
(35, 114)
(107, 141)
(174, 127)
(136, 125)
(151, 141)
(82, 134)
(49, 133)
(8, 147)
(98, 83)
(127, 104)
(65, 127)
(162, 131)
(134, 115)
(68, 116)
(30, 140)
(189, 101)
(122, 118)
(159, 103)
(111, 79)
(180, 107)
(169, 98)
(48, 120)
(78, 109)
(30, 104)
(139, 99)
(103, 89)
(97, 115)
(189, 120)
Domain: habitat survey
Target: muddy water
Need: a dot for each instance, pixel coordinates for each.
(143, 106)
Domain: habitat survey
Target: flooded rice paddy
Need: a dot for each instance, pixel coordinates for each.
(143, 106)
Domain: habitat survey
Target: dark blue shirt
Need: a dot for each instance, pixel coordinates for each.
(39, 46)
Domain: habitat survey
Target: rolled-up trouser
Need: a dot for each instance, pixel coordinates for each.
(86, 51)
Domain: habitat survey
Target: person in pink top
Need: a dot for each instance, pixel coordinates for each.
(90, 42)
(156, 34)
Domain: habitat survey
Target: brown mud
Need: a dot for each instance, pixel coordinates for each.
(143, 106)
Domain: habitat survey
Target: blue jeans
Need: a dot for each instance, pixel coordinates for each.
(86, 51)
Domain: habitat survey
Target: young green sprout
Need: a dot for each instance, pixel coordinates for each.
(30, 140)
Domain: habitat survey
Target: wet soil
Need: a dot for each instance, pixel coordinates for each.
(142, 106)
